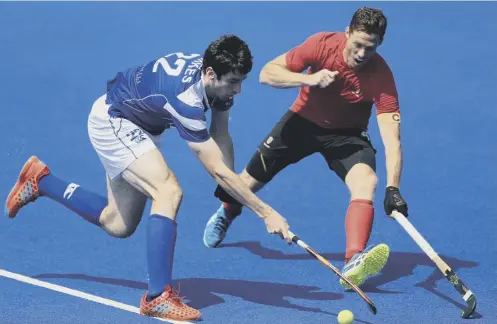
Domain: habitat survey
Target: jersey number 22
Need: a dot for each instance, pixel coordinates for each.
(179, 64)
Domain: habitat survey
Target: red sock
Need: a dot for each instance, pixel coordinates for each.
(358, 224)
(232, 210)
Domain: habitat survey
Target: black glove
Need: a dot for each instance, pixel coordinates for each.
(393, 200)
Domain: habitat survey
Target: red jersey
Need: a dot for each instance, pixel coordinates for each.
(348, 101)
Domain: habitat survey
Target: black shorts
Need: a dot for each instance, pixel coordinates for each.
(294, 138)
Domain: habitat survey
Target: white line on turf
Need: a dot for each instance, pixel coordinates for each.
(77, 293)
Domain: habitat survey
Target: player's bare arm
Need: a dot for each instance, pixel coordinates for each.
(389, 125)
(276, 74)
(211, 157)
(221, 135)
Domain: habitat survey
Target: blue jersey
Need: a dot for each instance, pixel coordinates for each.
(167, 92)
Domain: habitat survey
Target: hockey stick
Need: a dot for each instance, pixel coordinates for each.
(327, 264)
(454, 280)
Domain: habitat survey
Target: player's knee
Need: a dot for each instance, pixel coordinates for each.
(259, 171)
(250, 181)
(117, 225)
(160, 186)
(168, 189)
(261, 168)
(366, 183)
(123, 231)
(362, 181)
(370, 180)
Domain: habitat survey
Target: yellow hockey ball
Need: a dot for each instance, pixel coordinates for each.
(345, 317)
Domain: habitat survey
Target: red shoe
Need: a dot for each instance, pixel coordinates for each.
(168, 306)
(26, 188)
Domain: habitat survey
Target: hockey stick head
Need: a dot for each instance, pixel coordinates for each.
(470, 309)
(372, 308)
(466, 294)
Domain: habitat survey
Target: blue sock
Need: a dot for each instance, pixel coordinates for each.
(161, 239)
(86, 204)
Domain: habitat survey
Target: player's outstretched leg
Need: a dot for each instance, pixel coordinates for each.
(35, 180)
(361, 262)
(151, 175)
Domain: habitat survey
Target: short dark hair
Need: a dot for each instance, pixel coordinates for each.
(369, 20)
(227, 54)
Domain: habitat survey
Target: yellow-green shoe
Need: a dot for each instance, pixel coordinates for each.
(365, 264)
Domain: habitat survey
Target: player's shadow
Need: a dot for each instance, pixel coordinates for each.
(203, 292)
(400, 265)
